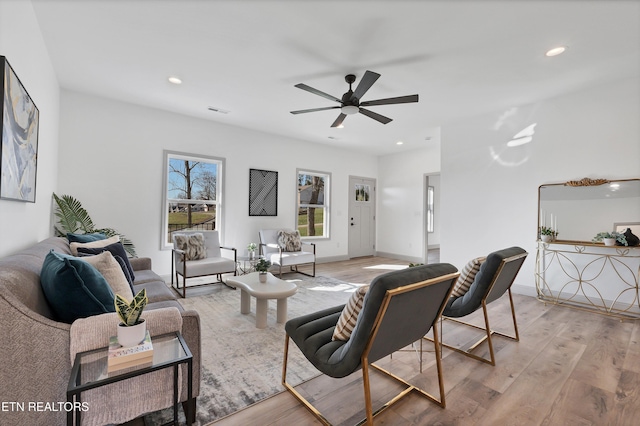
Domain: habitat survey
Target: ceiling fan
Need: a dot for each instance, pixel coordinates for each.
(350, 102)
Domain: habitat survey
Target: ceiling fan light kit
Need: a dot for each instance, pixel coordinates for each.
(350, 103)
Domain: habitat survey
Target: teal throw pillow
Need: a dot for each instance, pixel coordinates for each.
(74, 288)
(85, 238)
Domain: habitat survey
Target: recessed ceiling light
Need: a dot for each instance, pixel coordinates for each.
(555, 51)
(341, 126)
(399, 143)
(175, 80)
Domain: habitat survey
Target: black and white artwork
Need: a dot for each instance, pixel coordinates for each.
(263, 193)
(19, 124)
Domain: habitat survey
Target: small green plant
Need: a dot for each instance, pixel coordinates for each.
(548, 231)
(129, 312)
(616, 235)
(263, 265)
(411, 265)
(252, 247)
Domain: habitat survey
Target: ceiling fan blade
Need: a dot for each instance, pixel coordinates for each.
(339, 120)
(302, 111)
(388, 101)
(317, 92)
(365, 84)
(375, 116)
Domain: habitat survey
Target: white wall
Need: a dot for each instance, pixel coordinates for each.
(400, 218)
(489, 191)
(111, 159)
(22, 224)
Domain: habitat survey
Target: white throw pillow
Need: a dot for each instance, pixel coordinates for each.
(349, 316)
(110, 269)
(94, 244)
(467, 275)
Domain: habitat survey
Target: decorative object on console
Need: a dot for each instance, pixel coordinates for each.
(251, 249)
(262, 267)
(263, 193)
(71, 218)
(19, 123)
(610, 238)
(132, 329)
(632, 239)
(547, 234)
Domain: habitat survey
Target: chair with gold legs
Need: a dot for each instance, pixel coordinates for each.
(494, 279)
(398, 309)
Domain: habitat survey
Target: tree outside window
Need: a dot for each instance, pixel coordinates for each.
(312, 204)
(193, 193)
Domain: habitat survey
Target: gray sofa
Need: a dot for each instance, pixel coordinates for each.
(35, 355)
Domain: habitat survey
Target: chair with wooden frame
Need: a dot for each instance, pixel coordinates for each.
(494, 279)
(398, 309)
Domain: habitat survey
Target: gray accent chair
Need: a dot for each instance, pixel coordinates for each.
(496, 275)
(399, 308)
(214, 264)
(271, 250)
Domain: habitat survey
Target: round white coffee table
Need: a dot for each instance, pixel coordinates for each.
(274, 288)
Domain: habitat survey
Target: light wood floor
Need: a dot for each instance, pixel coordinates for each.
(569, 368)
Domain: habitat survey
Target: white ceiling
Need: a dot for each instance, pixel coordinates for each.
(462, 57)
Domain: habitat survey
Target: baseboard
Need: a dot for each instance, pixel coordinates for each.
(408, 259)
(330, 259)
(524, 290)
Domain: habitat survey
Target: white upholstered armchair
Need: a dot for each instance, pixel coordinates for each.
(283, 247)
(198, 254)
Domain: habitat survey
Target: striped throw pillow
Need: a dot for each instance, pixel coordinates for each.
(467, 275)
(349, 315)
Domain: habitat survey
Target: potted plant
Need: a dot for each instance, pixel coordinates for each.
(132, 329)
(610, 238)
(262, 266)
(547, 234)
(251, 248)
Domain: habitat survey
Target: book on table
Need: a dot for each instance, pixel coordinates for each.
(120, 357)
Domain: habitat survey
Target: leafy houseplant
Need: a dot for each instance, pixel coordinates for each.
(262, 266)
(132, 329)
(610, 238)
(73, 218)
(547, 234)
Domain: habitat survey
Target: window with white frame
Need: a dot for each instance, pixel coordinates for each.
(430, 209)
(312, 204)
(193, 193)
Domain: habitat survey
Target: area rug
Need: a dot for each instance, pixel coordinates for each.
(241, 364)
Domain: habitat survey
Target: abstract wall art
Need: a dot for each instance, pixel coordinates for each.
(263, 193)
(19, 123)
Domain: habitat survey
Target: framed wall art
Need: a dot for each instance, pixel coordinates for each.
(19, 123)
(263, 193)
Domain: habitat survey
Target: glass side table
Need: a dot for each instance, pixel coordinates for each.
(89, 371)
(247, 264)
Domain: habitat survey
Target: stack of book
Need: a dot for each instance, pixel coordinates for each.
(120, 357)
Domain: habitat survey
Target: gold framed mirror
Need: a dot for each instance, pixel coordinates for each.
(578, 210)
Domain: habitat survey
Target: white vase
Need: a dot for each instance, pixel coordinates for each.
(132, 335)
(545, 238)
(262, 276)
(609, 241)
(252, 255)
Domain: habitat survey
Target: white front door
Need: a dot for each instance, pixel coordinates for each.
(362, 194)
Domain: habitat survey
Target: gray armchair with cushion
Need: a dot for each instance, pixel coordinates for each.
(283, 247)
(492, 281)
(399, 308)
(198, 254)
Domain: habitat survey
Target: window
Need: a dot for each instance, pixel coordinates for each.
(313, 204)
(430, 209)
(193, 193)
